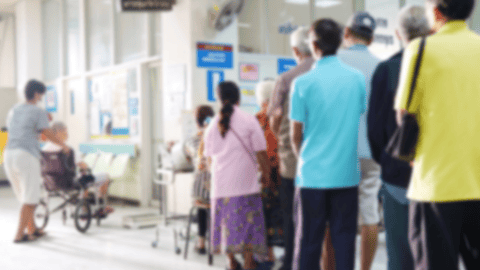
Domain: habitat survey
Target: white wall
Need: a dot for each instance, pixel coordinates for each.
(7, 52)
(8, 98)
(29, 43)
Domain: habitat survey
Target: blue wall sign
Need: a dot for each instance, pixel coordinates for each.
(51, 102)
(287, 28)
(285, 64)
(214, 55)
(214, 78)
(133, 105)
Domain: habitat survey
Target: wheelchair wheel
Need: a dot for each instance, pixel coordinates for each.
(83, 216)
(40, 215)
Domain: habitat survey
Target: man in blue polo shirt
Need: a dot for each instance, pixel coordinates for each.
(326, 104)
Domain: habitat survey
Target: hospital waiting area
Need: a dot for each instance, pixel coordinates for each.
(239, 134)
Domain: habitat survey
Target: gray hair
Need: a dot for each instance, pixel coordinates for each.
(58, 126)
(412, 22)
(298, 39)
(263, 91)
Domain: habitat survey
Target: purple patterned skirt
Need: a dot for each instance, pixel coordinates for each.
(239, 225)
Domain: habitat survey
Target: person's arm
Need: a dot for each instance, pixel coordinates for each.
(263, 161)
(298, 115)
(275, 108)
(405, 82)
(378, 112)
(50, 135)
(296, 136)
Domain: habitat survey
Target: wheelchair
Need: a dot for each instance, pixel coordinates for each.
(71, 190)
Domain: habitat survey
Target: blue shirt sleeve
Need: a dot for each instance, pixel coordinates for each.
(298, 111)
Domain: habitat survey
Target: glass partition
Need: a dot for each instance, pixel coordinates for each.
(51, 39)
(72, 42)
(100, 33)
(131, 36)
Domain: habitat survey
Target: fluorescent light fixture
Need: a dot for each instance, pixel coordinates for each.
(318, 3)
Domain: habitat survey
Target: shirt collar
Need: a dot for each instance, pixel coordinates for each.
(327, 60)
(307, 60)
(358, 47)
(453, 26)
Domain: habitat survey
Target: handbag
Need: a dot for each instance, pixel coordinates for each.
(403, 143)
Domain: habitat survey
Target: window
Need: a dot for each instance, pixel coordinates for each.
(72, 42)
(156, 28)
(100, 35)
(131, 36)
(51, 39)
(265, 26)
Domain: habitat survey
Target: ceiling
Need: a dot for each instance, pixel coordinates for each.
(8, 5)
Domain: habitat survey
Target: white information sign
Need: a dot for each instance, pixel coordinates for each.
(385, 12)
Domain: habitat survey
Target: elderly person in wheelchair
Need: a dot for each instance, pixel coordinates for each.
(98, 182)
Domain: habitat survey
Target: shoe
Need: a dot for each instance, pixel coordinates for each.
(201, 251)
(239, 267)
(25, 239)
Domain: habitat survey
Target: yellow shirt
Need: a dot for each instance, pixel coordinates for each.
(447, 104)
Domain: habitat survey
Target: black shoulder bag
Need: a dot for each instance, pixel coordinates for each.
(403, 143)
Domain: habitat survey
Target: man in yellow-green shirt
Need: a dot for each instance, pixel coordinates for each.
(445, 186)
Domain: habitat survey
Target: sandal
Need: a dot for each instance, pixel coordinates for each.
(25, 239)
(39, 233)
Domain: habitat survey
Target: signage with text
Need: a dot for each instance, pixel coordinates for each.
(147, 5)
(285, 64)
(214, 55)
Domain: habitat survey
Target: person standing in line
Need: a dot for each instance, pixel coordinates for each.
(271, 200)
(325, 107)
(236, 144)
(278, 111)
(194, 149)
(25, 122)
(444, 191)
(358, 35)
(411, 24)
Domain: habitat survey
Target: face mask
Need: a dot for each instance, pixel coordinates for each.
(207, 121)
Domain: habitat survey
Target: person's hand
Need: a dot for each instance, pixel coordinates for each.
(267, 181)
(66, 149)
(202, 166)
(82, 165)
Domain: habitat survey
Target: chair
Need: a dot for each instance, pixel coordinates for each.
(90, 159)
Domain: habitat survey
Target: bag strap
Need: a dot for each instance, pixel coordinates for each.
(244, 146)
(421, 49)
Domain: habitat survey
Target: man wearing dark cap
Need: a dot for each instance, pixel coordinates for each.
(358, 35)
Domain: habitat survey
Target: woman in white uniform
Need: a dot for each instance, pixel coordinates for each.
(25, 123)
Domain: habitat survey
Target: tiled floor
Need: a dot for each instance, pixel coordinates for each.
(106, 247)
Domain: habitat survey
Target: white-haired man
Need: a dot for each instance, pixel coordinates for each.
(278, 111)
(412, 23)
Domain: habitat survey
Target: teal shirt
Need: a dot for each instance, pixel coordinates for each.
(359, 57)
(328, 100)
